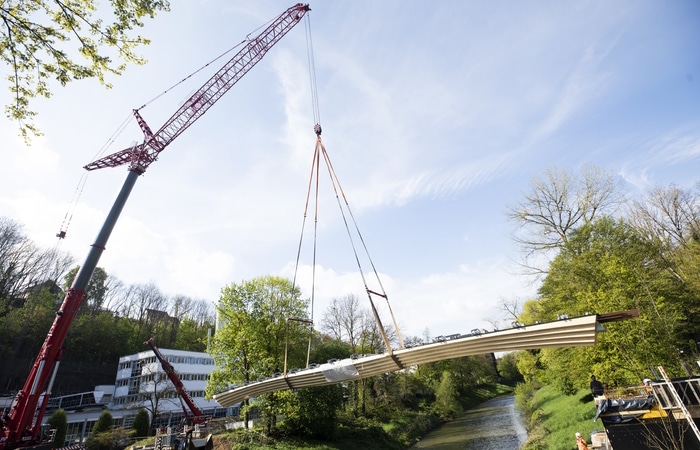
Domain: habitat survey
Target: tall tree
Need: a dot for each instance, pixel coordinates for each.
(669, 218)
(252, 335)
(446, 403)
(96, 292)
(250, 341)
(606, 266)
(38, 39)
(346, 320)
(104, 423)
(32, 322)
(23, 266)
(559, 203)
(670, 215)
(143, 303)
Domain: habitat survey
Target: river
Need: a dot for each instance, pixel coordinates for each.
(493, 425)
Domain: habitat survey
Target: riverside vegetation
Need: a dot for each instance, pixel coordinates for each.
(606, 251)
(397, 430)
(551, 419)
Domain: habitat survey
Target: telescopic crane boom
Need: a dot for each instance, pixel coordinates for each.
(22, 426)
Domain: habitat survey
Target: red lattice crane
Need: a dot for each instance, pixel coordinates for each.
(144, 154)
(194, 416)
(22, 428)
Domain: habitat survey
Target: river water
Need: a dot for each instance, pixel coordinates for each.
(493, 425)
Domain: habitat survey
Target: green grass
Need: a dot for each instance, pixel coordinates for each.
(560, 417)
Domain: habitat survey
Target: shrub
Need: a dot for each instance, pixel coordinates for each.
(142, 423)
(104, 423)
(59, 422)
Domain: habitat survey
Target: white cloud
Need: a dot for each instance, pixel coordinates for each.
(444, 303)
(673, 151)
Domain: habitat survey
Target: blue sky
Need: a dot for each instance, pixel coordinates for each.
(435, 116)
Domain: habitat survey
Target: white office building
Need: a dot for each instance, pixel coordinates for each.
(141, 383)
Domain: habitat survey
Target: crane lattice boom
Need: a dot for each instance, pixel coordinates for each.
(142, 155)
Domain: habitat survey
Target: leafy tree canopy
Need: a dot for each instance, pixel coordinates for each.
(96, 291)
(66, 40)
(255, 330)
(607, 266)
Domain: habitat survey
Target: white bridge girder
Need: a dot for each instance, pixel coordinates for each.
(568, 332)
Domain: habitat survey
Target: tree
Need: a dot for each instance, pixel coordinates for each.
(23, 266)
(607, 266)
(154, 389)
(669, 218)
(139, 300)
(446, 403)
(59, 422)
(142, 423)
(345, 319)
(32, 321)
(670, 215)
(471, 371)
(104, 423)
(325, 348)
(191, 337)
(557, 205)
(11, 240)
(317, 412)
(36, 46)
(96, 291)
(100, 437)
(196, 319)
(86, 338)
(252, 338)
(508, 368)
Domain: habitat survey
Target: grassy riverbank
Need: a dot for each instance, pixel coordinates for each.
(400, 432)
(552, 419)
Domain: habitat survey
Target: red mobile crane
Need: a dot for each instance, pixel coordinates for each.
(21, 428)
(198, 417)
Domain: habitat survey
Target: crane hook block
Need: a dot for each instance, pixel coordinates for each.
(317, 129)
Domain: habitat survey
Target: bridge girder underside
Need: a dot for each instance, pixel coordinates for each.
(568, 332)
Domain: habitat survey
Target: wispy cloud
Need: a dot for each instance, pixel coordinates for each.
(675, 149)
(429, 183)
(586, 82)
(444, 303)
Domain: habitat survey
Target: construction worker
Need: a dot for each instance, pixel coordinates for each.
(596, 387)
(581, 443)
